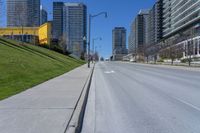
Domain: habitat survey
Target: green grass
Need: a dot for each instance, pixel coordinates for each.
(22, 67)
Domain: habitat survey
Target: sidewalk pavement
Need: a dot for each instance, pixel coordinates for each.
(46, 108)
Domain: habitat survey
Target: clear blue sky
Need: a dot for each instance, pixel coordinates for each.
(121, 13)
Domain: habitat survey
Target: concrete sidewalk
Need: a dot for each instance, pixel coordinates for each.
(46, 108)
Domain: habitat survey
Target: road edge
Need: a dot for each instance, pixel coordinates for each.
(194, 69)
(76, 122)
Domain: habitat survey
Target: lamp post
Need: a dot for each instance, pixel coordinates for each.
(90, 19)
(98, 51)
(85, 42)
(93, 46)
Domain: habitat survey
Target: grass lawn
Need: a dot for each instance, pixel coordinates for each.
(22, 67)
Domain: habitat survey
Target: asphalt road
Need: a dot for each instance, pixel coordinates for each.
(135, 98)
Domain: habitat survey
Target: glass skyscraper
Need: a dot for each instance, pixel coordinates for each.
(138, 37)
(119, 43)
(43, 15)
(58, 19)
(23, 13)
(75, 27)
(70, 23)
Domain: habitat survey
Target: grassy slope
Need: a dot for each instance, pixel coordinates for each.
(22, 67)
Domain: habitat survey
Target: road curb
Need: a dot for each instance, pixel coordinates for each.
(76, 121)
(192, 68)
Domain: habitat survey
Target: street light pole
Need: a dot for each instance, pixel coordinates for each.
(90, 17)
(93, 42)
(93, 46)
(89, 35)
(98, 50)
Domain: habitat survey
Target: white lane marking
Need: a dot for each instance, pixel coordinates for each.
(109, 72)
(188, 104)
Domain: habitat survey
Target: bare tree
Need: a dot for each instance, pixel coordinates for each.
(146, 54)
(173, 53)
(63, 43)
(179, 51)
(190, 52)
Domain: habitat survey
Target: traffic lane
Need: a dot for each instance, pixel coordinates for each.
(125, 103)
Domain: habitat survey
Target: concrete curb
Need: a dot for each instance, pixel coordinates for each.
(192, 68)
(76, 121)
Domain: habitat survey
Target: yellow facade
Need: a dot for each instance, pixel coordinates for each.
(19, 31)
(43, 32)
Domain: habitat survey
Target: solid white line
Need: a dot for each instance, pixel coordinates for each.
(109, 72)
(188, 104)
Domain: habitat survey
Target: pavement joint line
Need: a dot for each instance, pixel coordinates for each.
(74, 77)
(35, 108)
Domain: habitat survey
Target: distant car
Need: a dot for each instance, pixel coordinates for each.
(101, 59)
(107, 59)
(132, 60)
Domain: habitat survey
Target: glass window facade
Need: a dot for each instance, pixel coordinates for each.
(119, 40)
(70, 24)
(75, 27)
(179, 14)
(23, 13)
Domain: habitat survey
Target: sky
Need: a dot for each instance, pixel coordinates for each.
(120, 13)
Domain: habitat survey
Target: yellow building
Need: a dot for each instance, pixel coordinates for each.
(19, 31)
(34, 35)
(44, 33)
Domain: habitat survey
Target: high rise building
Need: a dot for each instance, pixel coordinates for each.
(155, 23)
(70, 24)
(139, 37)
(167, 17)
(75, 27)
(43, 15)
(172, 24)
(181, 26)
(34, 6)
(131, 39)
(180, 14)
(58, 20)
(119, 43)
(23, 13)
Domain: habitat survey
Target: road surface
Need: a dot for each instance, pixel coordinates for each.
(136, 98)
